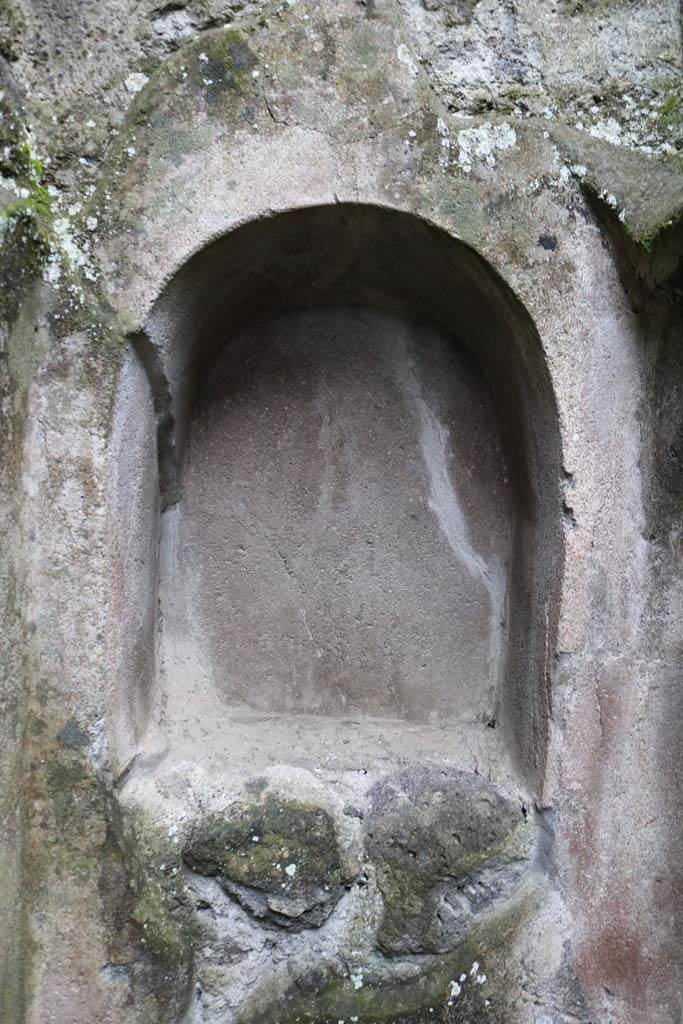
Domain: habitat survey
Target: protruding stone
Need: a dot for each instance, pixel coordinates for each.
(279, 858)
(446, 845)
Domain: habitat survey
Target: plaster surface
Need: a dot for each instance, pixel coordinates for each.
(343, 538)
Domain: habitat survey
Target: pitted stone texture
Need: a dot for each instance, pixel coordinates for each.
(279, 858)
(446, 845)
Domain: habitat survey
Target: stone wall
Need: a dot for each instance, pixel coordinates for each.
(341, 496)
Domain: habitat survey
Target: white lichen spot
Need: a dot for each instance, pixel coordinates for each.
(204, 58)
(444, 155)
(610, 199)
(406, 59)
(131, 151)
(456, 989)
(91, 223)
(136, 82)
(474, 969)
(580, 170)
(463, 977)
(609, 131)
(255, 74)
(481, 978)
(9, 184)
(290, 870)
(481, 143)
(68, 246)
(52, 272)
(254, 839)
(357, 978)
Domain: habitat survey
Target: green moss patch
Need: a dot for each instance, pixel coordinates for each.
(280, 858)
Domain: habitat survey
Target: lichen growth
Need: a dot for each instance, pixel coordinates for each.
(25, 212)
(39, 240)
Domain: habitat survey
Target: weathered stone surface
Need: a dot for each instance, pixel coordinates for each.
(446, 846)
(156, 161)
(279, 858)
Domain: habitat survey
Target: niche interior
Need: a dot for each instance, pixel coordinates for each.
(357, 521)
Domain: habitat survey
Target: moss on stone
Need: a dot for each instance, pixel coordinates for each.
(386, 997)
(25, 237)
(670, 116)
(280, 858)
(77, 838)
(432, 834)
(21, 168)
(156, 879)
(220, 62)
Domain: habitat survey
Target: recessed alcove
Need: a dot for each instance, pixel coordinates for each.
(358, 460)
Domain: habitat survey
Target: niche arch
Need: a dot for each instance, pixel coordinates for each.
(240, 350)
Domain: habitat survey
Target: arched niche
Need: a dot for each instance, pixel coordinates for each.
(358, 457)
